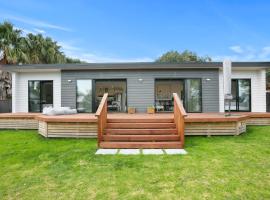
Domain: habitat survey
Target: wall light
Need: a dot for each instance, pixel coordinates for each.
(140, 80)
(208, 79)
(70, 81)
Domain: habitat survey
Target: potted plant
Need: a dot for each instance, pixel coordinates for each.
(131, 110)
(151, 109)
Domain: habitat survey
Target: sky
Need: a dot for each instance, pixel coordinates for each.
(142, 30)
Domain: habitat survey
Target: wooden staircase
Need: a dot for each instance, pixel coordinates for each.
(142, 131)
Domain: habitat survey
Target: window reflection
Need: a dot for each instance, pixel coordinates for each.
(84, 95)
(193, 95)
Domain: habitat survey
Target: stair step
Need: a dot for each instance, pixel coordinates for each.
(154, 145)
(140, 131)
(141, 120)
(141, 125)
(141, 138)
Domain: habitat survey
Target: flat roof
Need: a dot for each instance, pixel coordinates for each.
(130, 66)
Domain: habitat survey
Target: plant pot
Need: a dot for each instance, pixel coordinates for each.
(150, 110)
(131, 110)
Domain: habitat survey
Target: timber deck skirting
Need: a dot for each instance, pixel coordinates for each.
(85, 125)
(68, 129)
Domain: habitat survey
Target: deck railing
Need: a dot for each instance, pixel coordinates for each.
(101, 115)
(179, 117)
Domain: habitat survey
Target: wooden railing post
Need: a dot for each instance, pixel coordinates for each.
(179, 117)
(101, 115)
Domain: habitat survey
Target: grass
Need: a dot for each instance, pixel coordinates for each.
(229, 167)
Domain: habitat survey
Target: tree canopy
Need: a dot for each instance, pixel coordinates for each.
(30, 49)
(178, 57)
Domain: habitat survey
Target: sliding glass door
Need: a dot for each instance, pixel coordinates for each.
(189, 91)
(117, 94)
(164, 90)
(40, 95)
(84, 96)
(241, 92)
(193, 95)
(34, 96)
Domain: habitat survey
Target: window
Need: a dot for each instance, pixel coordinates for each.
(84, 96)
(40, 95)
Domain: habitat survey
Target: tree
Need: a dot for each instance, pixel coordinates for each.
(31, 49)
(72, 60)
(178, 57)
(10, 44)
(42, 50)
(10, 52)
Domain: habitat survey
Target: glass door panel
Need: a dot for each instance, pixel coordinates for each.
(234, 95)
(84, 96)
(117, 94)
(40, 95)
(34, 96)
(193, 95)
(244, 95)
(164, 90)
(241, 92)
(46, 94)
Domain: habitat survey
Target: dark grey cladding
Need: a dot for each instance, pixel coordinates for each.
(140, 94)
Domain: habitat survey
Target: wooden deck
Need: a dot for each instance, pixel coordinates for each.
(18, 121)
(77, 125)
(85, 125)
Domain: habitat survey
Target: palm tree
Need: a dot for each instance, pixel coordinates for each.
(31, 49)
(10, 53)
(42, 50)
(10, 44)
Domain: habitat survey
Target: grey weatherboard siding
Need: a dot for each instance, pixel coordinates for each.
(142, 94)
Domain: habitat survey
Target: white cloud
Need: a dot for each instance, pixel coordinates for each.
(68, 46)
(34, 22)
(92, 58)
(75, 52)
(39, 30)
(237, 49)
(246, 53)
(27, 31)
(265, 52)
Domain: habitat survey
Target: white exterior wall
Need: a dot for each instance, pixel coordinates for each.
(258, 88)
(20, 91)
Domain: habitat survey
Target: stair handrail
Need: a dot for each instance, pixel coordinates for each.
(101, 115)
(179, 117)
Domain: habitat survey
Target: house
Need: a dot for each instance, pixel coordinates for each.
(138, 85)
(188, 96)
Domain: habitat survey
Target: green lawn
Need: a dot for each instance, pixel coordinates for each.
(229, 167)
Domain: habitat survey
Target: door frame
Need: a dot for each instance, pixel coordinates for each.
(76, 94)
(237, 94)
(168, 79)
(107, 80)
(185, 103)
(40, 93)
